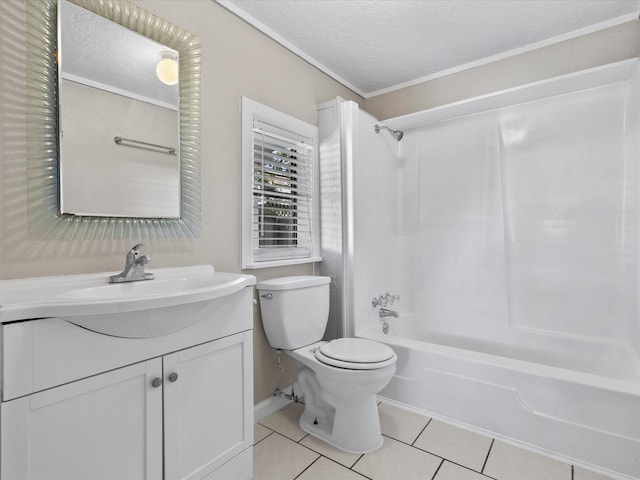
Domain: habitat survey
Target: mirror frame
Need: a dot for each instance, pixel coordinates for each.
(43, 205)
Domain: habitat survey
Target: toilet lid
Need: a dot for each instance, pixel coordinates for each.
(356, 354)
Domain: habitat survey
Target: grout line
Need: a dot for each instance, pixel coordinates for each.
(438, 469)
(351, 467)
(461, 465)
(263, 439)
(409, 444)
(356, 462)
(329, 458)
(487, 458)
(307, 467)
(424, 451)
(338, 463)
(399, 441)
(361, 475)
(421, 432)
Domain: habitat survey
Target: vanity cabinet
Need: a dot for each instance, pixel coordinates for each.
(77, 404)
(205, 409)
(106, 426)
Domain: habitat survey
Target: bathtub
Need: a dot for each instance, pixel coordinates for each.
(551, 393)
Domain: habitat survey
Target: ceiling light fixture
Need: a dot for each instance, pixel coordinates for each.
(167, 68)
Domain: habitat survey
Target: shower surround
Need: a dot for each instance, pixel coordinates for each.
(509, 225)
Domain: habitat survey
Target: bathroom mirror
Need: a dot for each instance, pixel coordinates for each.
(118, 119)
(57, 167)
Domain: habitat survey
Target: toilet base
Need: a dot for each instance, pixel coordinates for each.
(324, 431)
(349, 422)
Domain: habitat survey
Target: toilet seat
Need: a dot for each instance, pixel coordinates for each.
(355, 354)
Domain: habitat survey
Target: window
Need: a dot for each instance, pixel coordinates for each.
(279, 224)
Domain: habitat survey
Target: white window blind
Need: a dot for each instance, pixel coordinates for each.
(282, 193)
(279, 186)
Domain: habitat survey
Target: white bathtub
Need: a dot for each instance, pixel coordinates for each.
(549, 392)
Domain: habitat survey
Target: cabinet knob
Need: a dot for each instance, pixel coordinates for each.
(156, 382)
(173, 377)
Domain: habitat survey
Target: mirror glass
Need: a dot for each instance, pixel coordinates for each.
(119, 119)
(95, 169)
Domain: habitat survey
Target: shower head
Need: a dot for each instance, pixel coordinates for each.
(397, 134)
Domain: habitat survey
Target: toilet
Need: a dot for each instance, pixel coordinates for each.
(339, 378)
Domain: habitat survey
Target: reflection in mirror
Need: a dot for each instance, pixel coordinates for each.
(112, 86)
(142, 159)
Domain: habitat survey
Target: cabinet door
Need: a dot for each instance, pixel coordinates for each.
(104, 427)
(208, 407)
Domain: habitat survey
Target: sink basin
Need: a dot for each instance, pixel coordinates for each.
(87, 298)
(215, 284)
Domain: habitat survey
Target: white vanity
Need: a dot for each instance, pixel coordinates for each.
(145, 380)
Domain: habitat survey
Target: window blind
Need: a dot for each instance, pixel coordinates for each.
(282, 191)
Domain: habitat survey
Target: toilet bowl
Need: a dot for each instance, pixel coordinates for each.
(341, 405)
(339, 378)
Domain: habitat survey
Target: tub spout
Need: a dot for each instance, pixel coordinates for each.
(385, 312)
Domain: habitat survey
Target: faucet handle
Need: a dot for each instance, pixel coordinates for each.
(135, 250)
(391, 298)
(385, 300)
(378, 301)
(133, 267)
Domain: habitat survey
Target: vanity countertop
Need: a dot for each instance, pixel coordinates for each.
(89, 294)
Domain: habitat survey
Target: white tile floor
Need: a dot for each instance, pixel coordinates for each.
(415, 447)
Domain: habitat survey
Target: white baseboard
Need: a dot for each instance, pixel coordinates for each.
(273, 404)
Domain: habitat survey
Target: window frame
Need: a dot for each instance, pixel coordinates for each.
(252, 110)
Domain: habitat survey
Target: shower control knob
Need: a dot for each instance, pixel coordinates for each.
(379, 301)
(385, 300)
(156, 382)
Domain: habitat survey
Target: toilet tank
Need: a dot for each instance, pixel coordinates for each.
(295, 310)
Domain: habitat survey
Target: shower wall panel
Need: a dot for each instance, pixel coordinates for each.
(632, 192)
(331, 166)
(525, 219)
(460, 225)
(571, 236)
(378, 199)
(360, 195)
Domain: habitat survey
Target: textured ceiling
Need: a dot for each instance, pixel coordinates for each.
(374, 45)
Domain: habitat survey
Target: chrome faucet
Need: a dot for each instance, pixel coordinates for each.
(133, 267)
(384, 300)
(385, 312)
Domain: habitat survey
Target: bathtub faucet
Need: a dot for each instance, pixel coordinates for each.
(384, 300)
(385, 312)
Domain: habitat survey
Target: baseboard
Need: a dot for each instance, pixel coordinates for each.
(273, 404)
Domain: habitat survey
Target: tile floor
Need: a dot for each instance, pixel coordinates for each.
(415, 447)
